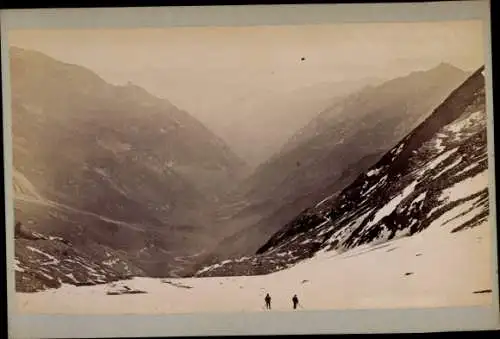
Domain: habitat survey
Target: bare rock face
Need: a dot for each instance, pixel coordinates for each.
(442, 165)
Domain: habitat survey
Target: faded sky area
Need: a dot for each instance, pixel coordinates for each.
(221, 74)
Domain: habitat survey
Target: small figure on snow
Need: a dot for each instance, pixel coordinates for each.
(268, 301)
(295, 301)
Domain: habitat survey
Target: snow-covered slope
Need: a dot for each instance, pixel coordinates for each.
(437, 175)
(430, 269)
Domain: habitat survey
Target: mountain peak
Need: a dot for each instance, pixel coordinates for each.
(447, 67)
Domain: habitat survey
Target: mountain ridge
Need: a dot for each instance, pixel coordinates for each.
(365, 124)
(111, 166)
(417, 183)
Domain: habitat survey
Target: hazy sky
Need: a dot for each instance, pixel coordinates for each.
(209, 71)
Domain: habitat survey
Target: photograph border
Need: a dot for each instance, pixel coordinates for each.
(208, 324)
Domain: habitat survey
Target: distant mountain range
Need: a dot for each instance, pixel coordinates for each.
(262, 125)
(327, 155)
(436, 175)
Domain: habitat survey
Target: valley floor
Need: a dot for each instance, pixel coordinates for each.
(431, 269)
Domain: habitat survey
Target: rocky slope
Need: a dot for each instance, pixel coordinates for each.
(438, 172)
(111, 163)
(44, 261)
(327, 155)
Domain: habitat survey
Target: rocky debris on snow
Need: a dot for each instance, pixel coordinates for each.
(123, 289)
(176, 284)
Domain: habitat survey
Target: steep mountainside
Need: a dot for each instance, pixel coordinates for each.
(328, 154)
(437, 174)
(115, 163)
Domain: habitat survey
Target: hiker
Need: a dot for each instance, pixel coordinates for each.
(295, 301)
(268, 301)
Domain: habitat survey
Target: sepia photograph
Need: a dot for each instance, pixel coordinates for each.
(250, 169)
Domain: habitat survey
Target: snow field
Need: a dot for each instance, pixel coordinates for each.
(445, 270)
